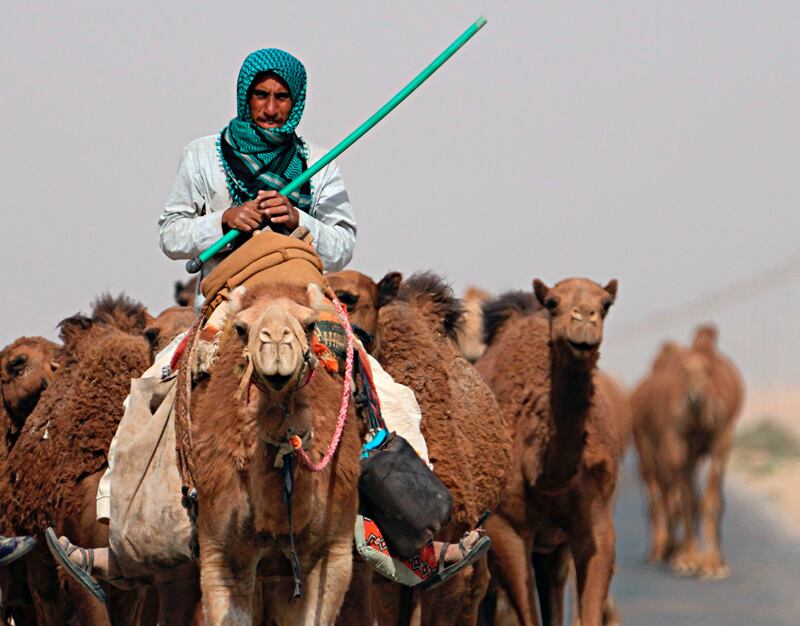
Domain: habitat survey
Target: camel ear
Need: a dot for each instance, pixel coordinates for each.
(236, 298)
(540, 289)
(611, 288)
(706, 339)
(316, 299)
(151, 333)
(388, 287)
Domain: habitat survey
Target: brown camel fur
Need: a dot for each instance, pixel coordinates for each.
(242, 519)
(27, 367)
(558, 500)
(469, 333)
(619, 405)
(169, 324)
(462, 424)
(61, 454)
(685, 411)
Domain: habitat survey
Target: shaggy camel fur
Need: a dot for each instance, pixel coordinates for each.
(559, 497)
(241, 516)
(462, 424)
(27, 367)
(60, 455)
(685, 411)
(469, 333)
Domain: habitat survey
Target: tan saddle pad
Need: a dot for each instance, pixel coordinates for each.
(266, 258)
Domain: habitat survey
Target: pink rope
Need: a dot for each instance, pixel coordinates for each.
(348, 373)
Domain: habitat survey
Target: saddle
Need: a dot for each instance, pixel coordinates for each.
(266, 258)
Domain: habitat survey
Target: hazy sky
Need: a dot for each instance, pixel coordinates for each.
(652, 142)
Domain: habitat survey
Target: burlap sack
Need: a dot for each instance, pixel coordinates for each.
(150, 530)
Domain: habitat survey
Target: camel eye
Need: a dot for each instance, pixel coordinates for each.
(241, 330)
(551, 303)
(17, 365)
(350, 300)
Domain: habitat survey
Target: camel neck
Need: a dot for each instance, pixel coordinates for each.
(571, 394)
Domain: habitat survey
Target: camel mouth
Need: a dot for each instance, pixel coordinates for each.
(278, 381)
(582, 348)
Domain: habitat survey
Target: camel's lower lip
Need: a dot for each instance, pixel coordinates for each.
(277, 381)
(582, 347)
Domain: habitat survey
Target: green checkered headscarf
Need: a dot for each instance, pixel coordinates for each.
(256, 158)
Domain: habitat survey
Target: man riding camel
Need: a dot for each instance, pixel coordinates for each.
(231, 180)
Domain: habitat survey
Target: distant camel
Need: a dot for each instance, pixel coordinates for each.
(469, 333)
(686, 410)
(558, 500)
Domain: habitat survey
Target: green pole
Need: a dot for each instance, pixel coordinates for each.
(194, 265)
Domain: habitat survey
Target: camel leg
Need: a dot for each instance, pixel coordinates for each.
(684, 561)
(357, 606)
(227, 584)
(656, 510)
(511, 553)
(178, 596)
(593, 551)
(712, 563)
(326, 586)
(551, 577)
(44, 587)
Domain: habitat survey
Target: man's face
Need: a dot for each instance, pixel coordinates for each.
(270, 102)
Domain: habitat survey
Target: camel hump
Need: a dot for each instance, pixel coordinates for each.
(122, 312)
(498, 311)
(706, 339)
(71, 328)
(432, 287)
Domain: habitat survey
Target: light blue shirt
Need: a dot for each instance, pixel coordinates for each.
(192, 218)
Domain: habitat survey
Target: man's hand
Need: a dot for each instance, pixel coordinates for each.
(278, 209)
(244, 217)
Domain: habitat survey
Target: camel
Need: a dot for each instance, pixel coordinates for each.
(61, 453)
(27, 367)
(469, 333)
(76, 407)
(685, 411)
(169, 324)
(415, 341)
(185, 292)
(558, 499)
(241, 516)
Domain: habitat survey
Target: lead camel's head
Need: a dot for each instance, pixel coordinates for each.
(577, 308)
(276, 328)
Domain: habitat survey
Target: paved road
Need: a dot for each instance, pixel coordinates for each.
(763, 590)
